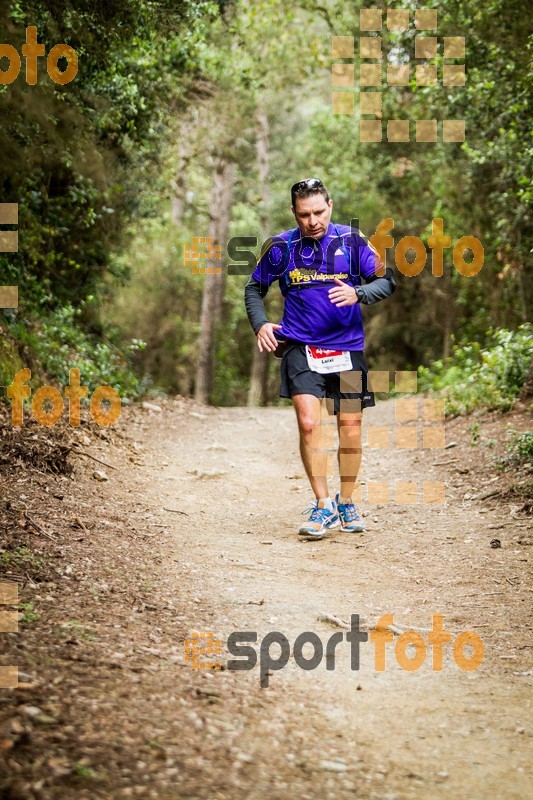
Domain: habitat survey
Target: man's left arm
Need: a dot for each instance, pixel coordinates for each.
(365, 263)
(379, 280)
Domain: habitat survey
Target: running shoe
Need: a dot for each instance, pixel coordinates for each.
(320, 520)
(349, 517)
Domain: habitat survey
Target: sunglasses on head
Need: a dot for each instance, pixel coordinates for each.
(308, 183)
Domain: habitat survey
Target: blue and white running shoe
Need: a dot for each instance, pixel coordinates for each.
(320, 520)
(349, 517)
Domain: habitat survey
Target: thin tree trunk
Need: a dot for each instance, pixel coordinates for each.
(213, 293)
(527, 388)
(447, 327)
(521, 282)
(179, 183)
(259, 371)
(447, 305)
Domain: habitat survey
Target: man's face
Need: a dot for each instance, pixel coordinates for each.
(312, 215)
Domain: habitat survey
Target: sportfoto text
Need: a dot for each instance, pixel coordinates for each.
(239, 645)
(381, 240)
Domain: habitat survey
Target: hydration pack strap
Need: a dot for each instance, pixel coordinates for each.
(285, 282)
(344, 250)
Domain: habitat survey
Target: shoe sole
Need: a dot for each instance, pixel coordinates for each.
(320, 534)
(353, 530)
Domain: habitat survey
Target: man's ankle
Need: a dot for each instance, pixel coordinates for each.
(326, 502)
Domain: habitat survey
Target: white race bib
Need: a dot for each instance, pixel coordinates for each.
(322, 360)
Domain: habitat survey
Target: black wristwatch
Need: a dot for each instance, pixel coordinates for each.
(360, 293)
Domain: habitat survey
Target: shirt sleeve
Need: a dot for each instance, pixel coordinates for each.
(254, 292)
(377, 288)
(273, 261)
(366, 265)
(365, 260)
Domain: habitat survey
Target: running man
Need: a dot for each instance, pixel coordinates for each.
(319, 266)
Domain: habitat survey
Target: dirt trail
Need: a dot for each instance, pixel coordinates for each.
(196, 531)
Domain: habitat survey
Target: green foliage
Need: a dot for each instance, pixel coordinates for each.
(90, 165)
(10, 361)
(23, 560)
(476, 377)
(159, 305)
(82, 160)
(481, 187)
(77, 158)
(83, 771)
(28, 613)
(520, 450)
(232, 364)
(58, 343)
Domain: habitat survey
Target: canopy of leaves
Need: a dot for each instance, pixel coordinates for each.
(164, 87)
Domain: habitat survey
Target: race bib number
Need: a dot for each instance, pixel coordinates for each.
(320, 359)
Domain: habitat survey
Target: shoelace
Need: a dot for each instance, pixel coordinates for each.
(350, 513)
(317, 514)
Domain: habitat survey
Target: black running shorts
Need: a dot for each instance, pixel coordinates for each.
(297, 378)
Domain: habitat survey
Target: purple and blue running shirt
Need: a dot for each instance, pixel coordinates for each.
(305, 269)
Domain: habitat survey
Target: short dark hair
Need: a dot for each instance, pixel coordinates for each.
(307, 188)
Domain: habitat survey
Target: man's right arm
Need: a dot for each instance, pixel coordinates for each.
(270, 267)
(254, 292)
(263, 329)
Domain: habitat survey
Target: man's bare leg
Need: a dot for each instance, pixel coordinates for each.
(314, 457)
(350, 450)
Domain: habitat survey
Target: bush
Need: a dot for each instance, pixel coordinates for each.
(56, 343)
(520, 449)
(490, 378)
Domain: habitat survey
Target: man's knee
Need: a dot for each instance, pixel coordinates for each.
(308, 423)
(350, 435)
(308, 414)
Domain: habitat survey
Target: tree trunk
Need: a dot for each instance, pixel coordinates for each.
(179, 184)
(260, 361)
(215, 282)
(527, 388)
(448, 307)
